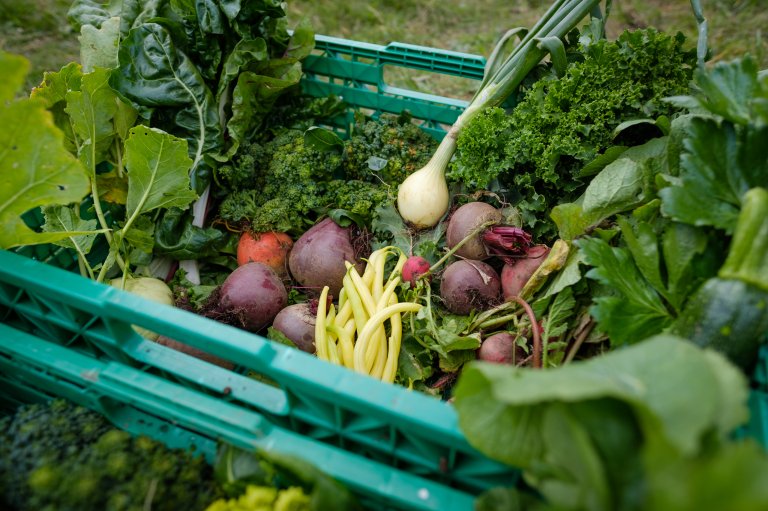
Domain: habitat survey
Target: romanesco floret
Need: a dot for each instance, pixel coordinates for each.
(265, 498)
(387, 150)
(61, 457)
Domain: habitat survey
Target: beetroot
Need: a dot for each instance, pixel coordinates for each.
(516, 274)
(194, 352)
(501, 348)
(464, 220)
(470, 285)
(297, 323)
(254, 293)
(414, 267)
(318, 256)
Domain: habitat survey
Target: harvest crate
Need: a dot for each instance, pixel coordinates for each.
(62, 335)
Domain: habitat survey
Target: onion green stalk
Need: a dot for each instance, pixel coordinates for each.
(423, 197)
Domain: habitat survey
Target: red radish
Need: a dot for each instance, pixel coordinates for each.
(470, 285)
(414, 267)
(270, 248)
(255, 294)
(464, 220)
(501, 348)
(318, 256)
(514, 276)
(297, 322)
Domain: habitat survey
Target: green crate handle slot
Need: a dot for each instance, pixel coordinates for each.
(131, 398)
(355, 72)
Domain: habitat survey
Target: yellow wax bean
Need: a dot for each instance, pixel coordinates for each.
(321, 344)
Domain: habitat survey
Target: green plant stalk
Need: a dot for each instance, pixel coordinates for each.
(562, 17)
(748, 255)
(477, 230)
(99, 212)
(557, 22)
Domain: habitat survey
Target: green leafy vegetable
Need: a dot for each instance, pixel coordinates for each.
(161, 80)
(237, 469)
(725, 153)
(591, 435)
(633, 310)
(36, 168)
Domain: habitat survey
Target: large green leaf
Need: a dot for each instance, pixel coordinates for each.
(177, 238)
(253, 98)
(502, 410)
(158, 171)
(35, 170)
(245, 52)
(53, 93)
(719, 165)
(98, 46)
(15, 68)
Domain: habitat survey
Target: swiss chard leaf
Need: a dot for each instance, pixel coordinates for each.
(177, 238)
(165, 85)
(253, 98)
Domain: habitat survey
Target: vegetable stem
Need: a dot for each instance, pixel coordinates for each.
(534, 330)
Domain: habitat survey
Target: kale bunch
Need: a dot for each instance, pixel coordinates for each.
(386, 150)
(61, 457)
(536, 153)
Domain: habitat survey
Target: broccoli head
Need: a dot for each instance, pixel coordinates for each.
(358, 197)
(387, 150)
(288, 189)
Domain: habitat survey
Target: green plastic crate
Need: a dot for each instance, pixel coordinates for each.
(33, 370)
(397, 448)
(62, 335)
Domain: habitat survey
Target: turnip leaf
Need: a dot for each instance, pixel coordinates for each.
(63, 219)
(35, 167)
(158, 171)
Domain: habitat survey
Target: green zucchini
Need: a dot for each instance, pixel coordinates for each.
(729, 313)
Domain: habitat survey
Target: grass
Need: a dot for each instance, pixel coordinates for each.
(38, 28)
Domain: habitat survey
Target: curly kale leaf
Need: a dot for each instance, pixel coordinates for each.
(538, 151)
(387, 150)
